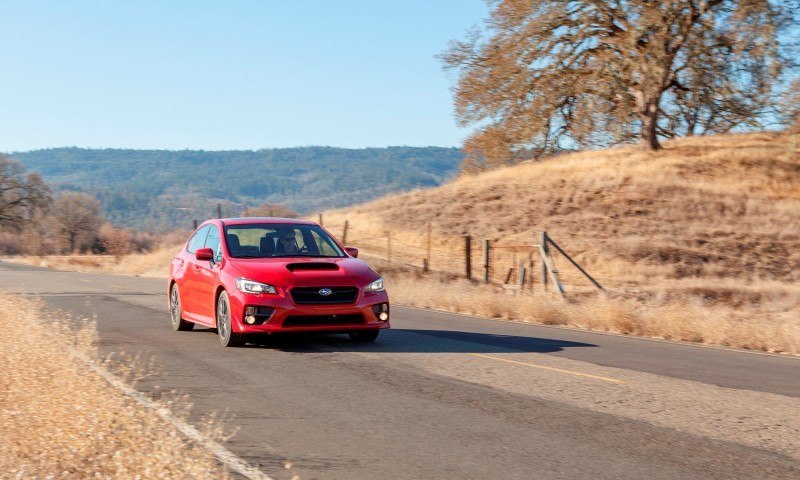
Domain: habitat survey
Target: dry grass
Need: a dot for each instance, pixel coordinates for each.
(691, 320)
(59, 419)
(150, 264)
(698, 242)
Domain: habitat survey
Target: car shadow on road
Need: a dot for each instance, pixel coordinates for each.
(399, 340)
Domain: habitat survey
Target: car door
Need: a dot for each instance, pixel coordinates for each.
(207, 275)
(189, 292)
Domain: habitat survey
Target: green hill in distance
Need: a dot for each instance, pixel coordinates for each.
(165, 188)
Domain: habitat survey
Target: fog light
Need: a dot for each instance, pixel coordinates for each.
(381, 311)
(249, 310)
(250, 319)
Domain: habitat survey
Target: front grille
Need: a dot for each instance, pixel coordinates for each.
(311, 295)
(310, 320)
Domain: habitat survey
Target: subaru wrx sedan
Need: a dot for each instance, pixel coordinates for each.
(245, 276)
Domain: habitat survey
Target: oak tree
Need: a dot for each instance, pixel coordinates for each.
(79, 219)
(22, 194)
(542, 75)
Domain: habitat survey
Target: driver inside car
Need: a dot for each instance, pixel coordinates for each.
(287, 242)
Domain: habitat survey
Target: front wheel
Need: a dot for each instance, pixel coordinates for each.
(364, 336)
(178, 323)
(227, 337)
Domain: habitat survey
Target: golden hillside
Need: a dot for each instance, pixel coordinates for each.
(711, 221)
(722, 206)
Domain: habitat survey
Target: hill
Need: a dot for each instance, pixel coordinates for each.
(708, 222)
(164, 188)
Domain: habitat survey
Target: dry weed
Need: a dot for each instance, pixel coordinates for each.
(59, 419)
(698, 242)
(690, 319)
(149, 264)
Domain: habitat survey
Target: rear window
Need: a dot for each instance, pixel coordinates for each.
(279, 240)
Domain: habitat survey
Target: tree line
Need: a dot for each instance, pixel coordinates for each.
(159, 189)
(35, 221)
(540, 76)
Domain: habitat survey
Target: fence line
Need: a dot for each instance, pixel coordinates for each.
(514, 266)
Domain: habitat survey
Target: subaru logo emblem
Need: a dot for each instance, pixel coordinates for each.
(325, 292)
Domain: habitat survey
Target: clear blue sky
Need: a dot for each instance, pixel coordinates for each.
(228, 75)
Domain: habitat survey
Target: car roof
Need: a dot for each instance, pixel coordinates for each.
(255, 220)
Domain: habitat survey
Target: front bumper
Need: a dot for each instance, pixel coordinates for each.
(285, 307)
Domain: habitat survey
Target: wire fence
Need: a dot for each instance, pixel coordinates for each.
(526, 267)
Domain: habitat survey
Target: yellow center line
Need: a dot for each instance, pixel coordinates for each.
(84, 280)
(113, 285)
(552, 369)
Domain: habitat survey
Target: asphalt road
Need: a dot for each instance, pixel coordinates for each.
(442, 395)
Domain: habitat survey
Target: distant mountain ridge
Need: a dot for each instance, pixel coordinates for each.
(163, 188)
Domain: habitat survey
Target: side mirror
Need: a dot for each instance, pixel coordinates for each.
(204, 254)
(352, 251)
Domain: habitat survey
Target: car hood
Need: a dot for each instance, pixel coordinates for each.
(305, 271)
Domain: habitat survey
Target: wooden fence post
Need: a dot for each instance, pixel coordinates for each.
(320, 220)
(344, 234)
(389, 244)
(468, 255)
(428, 249)
(219, 210)
(521, 274)
(548, 259)
(531, 271)
(487, 248)
(596, 284)
(543, 253)
(508, 276)
(194, 223)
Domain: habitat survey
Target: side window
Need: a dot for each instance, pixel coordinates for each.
(198, 239)
(323, 246)
(212, 242)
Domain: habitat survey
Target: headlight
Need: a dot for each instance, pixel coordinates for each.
(376, 286)
(249, 286)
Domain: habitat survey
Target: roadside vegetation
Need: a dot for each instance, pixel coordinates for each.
(699, 241)
(60, 419)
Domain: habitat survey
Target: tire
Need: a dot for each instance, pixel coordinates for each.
(227, 337)
(178, 324)
(364, 336)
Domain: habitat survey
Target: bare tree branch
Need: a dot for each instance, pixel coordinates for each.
(547, 73)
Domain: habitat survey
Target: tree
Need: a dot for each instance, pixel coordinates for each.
(22, 194)
(116, 241)
(790, 105)
(543, 74)
(79, 219)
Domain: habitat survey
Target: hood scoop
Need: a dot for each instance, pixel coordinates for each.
(313, 266)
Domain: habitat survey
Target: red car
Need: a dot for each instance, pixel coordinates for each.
(267, 275)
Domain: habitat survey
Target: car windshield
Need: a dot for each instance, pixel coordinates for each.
(279, 240)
